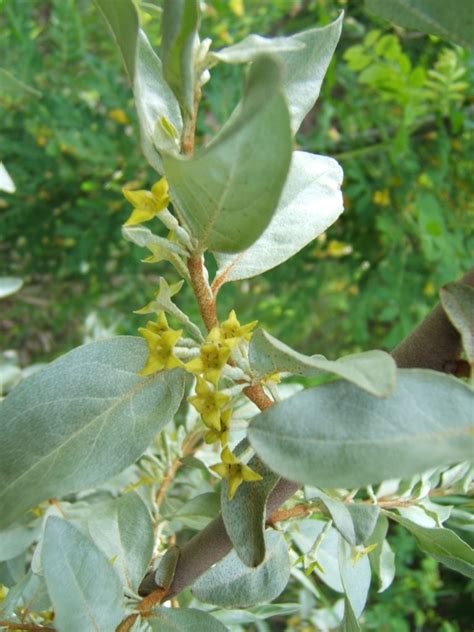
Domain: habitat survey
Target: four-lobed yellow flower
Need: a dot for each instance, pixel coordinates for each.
(160, 340)
(210, 362)
(209, 402)
(234, 471)
(231, 332)
(147, 204)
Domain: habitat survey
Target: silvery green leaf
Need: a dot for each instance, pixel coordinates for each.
(349, 623)
(355, 576)
(80, 420)
(9, 285)
(154, 99)
(30, 593)
(457, 300)
(373, 371)
(10, 375)
(6, 183)
(198, 511)
(166, 568)
(180, 23)
(305, 535)
(231, 584)
(382, 558)
(305, 68)
(451, 21)
(443, 544)
(336, 435)
(364, 518)
(228, 192)
(252, 46)
(85, 591)
(13, 571)
(340, 515)
(244, 515)
(256, 614)
(183, 620)
(123, 531)
(310, 202)
(15, 540)
(155, 103)
(122, 20)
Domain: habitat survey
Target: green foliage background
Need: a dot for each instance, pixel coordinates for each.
(395, 110)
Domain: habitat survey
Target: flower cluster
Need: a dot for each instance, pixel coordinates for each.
(211, 403)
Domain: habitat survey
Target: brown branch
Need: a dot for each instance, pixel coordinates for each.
(434, 344)
(202, 291)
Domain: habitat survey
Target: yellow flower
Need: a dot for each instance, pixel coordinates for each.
(119, 116)
(209, 403)
(381, 198)
(147, 204)
(231, 332)
(160, 345)
(234, 471)
(212, 359)
(221, 435)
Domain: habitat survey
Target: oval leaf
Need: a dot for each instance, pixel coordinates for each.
(311, 201)
(79, 421)
(229, 192)
(244, 515)
(443, 544)
(85, 591)
(231, 584)
(336, 435)
(183, 620)
(374, 371)
(451, 21)
(123, 531)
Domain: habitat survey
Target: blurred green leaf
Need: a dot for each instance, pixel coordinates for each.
(443, 544)
(453, 21)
